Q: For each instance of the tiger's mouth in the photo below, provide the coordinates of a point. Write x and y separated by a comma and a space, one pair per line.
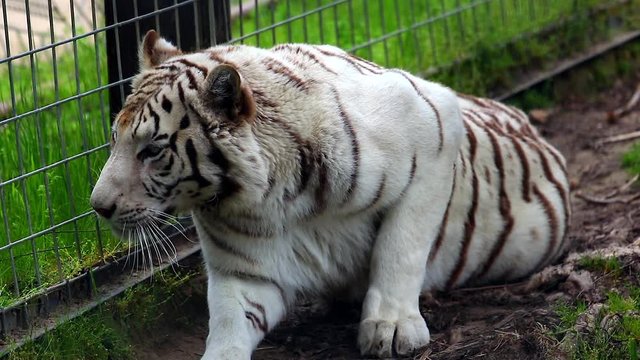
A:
147, 219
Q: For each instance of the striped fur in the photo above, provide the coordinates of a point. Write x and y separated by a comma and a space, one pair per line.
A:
310, 171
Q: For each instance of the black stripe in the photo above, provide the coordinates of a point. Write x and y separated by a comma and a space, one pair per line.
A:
190, 64
156, 120
181, 93
504, 206
470, 223
299, 50
224, 246
184, 122
192, 155
552, 220
193, 83
167, 105
279, 68
443, 224
412, 173
253, 277
355, 148
172, 142
378, 193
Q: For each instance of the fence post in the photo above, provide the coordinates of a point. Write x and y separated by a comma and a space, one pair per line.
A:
187, 24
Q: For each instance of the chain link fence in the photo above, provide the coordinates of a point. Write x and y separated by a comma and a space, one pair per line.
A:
66, 66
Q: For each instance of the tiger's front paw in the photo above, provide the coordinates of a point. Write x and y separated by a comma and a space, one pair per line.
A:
376, 336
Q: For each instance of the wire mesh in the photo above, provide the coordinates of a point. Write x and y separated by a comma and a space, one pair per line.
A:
67, 65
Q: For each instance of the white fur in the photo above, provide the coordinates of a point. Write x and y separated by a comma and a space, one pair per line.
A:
338, 248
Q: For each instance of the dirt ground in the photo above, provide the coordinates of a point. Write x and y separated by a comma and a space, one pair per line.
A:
501, 322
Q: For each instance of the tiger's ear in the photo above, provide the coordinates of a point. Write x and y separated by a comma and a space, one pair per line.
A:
155, 50
225, 92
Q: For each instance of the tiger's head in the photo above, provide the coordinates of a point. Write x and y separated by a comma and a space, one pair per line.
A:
182, 140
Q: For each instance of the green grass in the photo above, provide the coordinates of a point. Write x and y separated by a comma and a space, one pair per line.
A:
42, 139
607, 265
433, 44
631, 159
116, 328
618, 340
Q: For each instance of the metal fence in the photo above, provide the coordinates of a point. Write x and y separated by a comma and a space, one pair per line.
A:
65, 67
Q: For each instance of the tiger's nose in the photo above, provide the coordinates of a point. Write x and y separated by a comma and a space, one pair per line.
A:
104, 212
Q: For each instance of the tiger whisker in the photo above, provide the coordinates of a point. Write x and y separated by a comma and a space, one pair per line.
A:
180, 229
164, 240
153, 240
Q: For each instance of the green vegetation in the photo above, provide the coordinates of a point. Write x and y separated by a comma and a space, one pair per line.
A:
62, 192
608, 265
112, 330
631, 159
613, 333
470, 42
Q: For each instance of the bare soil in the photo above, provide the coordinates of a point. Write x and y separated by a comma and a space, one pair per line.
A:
513, 321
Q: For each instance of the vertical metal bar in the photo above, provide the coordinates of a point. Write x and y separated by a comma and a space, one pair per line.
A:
532, 10
16, 285
27, 206
118, 55
383, 26
105, 125
196, 23
352, 23
83, 125
39, 136
241, 21
103, 116
61, 135
460, 22
272, 8
212, 23
321, 27
225, 8
474, 19
176, 11
447, 35
289, 33
416, 43
135, 14
304, 21
157, 16
399, 26
258, 32
7, 231
367, 28
335, 24
432, 40
488, 14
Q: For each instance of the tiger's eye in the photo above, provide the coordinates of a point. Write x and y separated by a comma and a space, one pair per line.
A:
150, 151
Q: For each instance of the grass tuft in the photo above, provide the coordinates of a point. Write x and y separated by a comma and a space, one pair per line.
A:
112, 330
613, 333
608, 265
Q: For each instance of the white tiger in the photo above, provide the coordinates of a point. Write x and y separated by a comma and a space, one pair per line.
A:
310, 171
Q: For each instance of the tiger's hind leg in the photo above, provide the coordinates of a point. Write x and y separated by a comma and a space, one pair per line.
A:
242, 310
391, 319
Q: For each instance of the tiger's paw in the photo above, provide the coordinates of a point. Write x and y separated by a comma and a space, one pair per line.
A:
380, 337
